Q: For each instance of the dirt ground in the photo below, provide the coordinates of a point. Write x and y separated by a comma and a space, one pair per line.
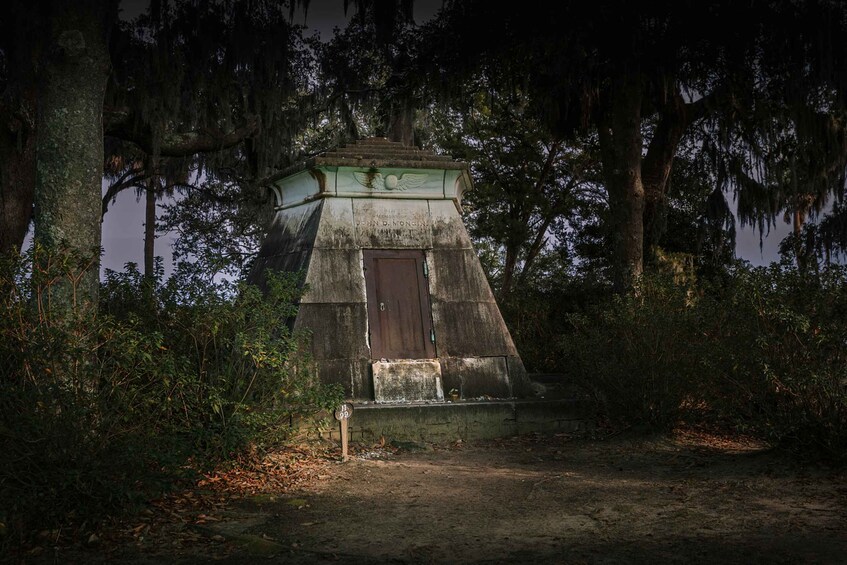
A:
689, 498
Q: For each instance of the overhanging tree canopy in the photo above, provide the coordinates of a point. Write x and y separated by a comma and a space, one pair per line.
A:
641, 75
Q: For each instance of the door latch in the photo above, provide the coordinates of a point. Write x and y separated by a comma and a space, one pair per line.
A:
382, 306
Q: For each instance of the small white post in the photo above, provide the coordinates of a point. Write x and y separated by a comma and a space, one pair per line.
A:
342, 414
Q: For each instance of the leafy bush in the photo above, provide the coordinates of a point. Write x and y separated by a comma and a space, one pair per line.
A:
102, 407
540, 312
764, 353
782, 368
634, 354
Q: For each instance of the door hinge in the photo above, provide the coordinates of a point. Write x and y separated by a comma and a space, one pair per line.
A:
432, 335
425, 269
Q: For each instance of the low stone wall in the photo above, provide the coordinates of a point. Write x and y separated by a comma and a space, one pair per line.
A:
450, 421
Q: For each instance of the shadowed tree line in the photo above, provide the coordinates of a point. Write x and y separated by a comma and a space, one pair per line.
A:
229, 89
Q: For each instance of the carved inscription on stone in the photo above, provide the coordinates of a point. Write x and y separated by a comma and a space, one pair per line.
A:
393, 225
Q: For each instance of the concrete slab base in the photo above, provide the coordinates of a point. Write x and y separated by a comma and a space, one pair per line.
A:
407, 381
465, 420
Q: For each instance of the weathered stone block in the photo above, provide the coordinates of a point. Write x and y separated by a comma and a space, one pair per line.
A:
470, 329
448, 231
450, 378
338, 331
295, 262
392, 224
435, 422
407, 381
336, 230
299, 187
518, 377
479, 377
391, 181
335, 275
292, 230
455, 275
552, 416
352, 374
458, 420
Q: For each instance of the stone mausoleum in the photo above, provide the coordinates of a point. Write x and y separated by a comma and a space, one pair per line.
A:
397, 302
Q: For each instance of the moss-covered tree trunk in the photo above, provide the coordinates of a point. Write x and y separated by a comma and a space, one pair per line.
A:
69, 158
621, 146
17, 124
17, 171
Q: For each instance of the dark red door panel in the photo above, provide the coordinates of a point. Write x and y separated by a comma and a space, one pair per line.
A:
399, 317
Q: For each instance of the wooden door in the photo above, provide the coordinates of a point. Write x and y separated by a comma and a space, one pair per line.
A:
399, 317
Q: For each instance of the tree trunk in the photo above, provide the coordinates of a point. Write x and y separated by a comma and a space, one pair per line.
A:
620, 146
69, 158
17, 125
535, 248
541, 235
401, 122
17, 174
798, 220
150, 226
656, 170
150, 194
508, 271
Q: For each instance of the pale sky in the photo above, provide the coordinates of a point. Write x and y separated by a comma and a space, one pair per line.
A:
324, 15
747, 243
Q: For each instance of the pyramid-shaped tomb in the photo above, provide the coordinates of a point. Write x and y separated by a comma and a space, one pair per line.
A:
397, 302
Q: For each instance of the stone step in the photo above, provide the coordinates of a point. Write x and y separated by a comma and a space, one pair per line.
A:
379, 161
384, 154
392, 153
375, 141
466, 420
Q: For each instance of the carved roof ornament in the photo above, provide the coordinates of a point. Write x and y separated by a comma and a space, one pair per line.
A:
390, 182
372, 168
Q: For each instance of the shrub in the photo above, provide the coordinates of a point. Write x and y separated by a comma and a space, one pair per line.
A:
781, 371
764, 353
633, 354
537, 314
103, 407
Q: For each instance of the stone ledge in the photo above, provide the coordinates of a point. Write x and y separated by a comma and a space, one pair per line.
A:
465, 420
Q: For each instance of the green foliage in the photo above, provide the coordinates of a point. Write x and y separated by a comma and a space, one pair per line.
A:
763, 354
100, 409
536, 326
527, 181
790, 384
627, 352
